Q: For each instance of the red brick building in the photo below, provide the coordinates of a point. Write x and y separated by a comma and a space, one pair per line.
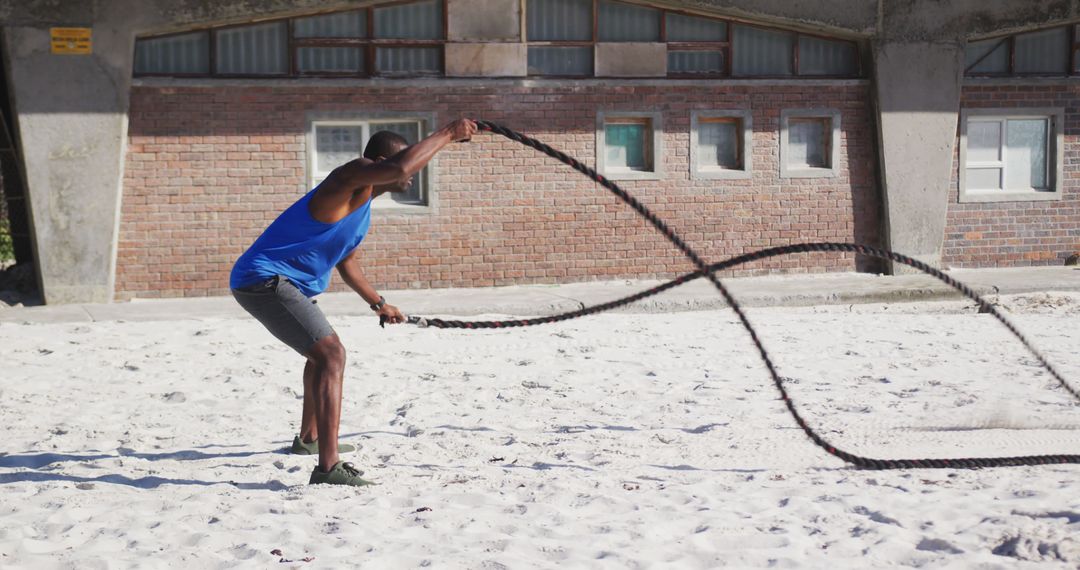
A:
743, 128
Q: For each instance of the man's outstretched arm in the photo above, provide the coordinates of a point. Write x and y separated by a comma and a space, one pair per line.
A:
332, 201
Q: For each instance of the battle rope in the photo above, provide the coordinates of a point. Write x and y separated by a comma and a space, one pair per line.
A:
708, 271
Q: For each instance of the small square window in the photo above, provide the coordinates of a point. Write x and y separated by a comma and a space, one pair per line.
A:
628, 145
720, 143
337, 139
809, 141
1010, 155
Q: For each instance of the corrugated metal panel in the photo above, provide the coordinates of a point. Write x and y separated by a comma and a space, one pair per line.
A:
996, 62
696, 62
690, 29
628, 23
407, 60
417, 21
187, 53
826, 57
555, 20
1043, 52
253, 50
544, 60
340, 25
761, 52
335, 59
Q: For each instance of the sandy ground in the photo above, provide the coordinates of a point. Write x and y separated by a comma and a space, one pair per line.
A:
615, 441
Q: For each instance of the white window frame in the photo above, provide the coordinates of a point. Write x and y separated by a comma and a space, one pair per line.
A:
656, 142
384, 203
1055, 154
709, 172
833, 152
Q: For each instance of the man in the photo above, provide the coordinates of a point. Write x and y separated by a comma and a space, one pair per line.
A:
291, 261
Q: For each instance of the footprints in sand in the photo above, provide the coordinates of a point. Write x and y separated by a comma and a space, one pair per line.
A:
175, 397
1041, 543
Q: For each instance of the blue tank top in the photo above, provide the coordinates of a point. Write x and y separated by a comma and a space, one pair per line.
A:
301, 248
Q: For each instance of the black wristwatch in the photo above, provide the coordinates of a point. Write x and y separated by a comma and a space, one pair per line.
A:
379, 305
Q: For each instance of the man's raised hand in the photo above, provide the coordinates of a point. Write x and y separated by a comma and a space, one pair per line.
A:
462, 130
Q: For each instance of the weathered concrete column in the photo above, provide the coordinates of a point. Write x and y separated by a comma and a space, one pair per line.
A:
71, 112
918, 102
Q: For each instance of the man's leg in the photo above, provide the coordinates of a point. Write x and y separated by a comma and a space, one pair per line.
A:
328, 357
309, 429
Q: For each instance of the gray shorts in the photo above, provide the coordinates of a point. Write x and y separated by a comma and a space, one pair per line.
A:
286, 312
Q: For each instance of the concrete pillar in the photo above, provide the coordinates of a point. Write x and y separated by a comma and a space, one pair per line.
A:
71, 112
918, 100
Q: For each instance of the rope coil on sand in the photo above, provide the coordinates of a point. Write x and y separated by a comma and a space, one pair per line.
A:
708, 271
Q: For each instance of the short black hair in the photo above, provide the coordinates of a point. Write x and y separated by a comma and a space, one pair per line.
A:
384, 144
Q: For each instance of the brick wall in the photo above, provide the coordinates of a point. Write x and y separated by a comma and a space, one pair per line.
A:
209, 166
1006, 234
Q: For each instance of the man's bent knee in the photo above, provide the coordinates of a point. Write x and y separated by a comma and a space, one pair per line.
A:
328, 351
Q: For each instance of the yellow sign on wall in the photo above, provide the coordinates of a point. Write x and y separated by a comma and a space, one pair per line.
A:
71, 41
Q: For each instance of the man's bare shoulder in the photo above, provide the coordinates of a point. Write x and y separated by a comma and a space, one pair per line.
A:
342, 177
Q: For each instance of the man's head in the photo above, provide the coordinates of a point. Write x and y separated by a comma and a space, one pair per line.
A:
381, 146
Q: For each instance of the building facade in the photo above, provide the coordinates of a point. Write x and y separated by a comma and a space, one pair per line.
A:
152, 161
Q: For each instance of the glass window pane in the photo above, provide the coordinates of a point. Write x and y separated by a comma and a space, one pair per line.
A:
718, 144
417, 21
332, 59
411, 131
335, 145
996, 62
807, 143
628, 23
1043, 52
710, 62
624, 144
554, 20
826, 57
984, 141
690, 29
340, 25
406, 60
1025, 166
252, 50
575, 61
761, 52
187, 53
983, 179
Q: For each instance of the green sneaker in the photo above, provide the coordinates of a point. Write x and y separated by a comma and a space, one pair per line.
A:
341, 474
299, 447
